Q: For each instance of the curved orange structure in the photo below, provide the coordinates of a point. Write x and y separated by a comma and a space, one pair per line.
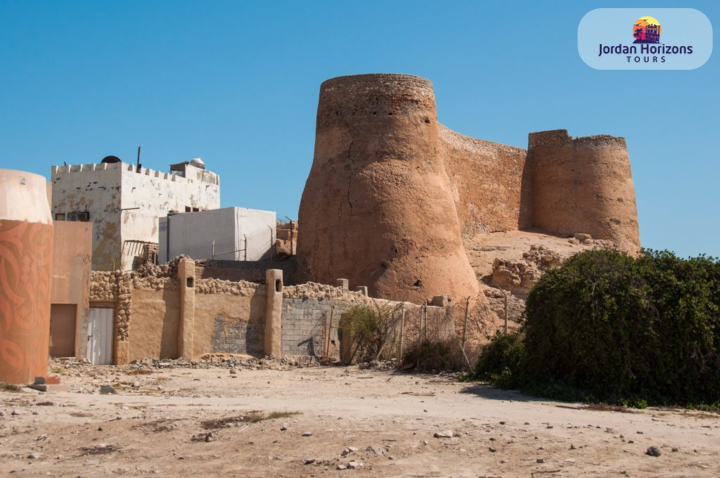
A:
378, 206
26, 244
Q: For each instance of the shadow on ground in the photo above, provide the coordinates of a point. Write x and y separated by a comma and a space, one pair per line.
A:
492, 393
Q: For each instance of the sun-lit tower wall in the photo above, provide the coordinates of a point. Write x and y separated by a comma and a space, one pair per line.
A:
583, 185
377, 207
26, 246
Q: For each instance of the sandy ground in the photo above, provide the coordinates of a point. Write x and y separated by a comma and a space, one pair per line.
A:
388, 418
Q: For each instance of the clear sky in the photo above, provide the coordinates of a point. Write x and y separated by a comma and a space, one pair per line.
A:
237, 84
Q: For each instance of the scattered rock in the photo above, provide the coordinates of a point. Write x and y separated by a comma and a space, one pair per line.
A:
307, 434
653, 451
354, 465
444, 434
107, 389
540, 460
309, 461
348, 450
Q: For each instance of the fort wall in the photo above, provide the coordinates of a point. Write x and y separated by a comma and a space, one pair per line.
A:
490, 183
392, 193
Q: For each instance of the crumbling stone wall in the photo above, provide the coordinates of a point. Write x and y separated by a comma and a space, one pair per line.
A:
115, 287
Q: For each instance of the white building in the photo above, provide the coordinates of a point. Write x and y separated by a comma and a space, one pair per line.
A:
231, 233
125, 202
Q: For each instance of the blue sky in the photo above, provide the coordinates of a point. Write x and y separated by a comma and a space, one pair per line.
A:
237, 84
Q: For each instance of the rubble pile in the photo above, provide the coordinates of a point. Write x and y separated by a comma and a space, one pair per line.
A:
314, 290
169, 269
219, 286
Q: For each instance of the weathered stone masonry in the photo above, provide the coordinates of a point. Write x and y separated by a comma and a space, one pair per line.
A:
391, 192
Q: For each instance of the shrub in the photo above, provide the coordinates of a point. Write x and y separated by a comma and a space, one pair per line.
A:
434, 355
501, 359
607, 326
369, 328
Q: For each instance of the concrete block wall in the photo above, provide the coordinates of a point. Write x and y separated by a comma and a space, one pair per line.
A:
304, 324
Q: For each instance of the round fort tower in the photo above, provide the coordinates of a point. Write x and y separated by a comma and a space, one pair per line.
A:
583, 185
377, 208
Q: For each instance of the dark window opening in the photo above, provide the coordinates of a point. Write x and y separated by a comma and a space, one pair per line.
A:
190, 282
278, 285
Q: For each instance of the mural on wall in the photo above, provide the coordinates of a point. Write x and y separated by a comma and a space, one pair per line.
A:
25, 274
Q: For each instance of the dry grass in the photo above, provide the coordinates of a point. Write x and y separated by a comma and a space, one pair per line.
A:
6, 387
251, 417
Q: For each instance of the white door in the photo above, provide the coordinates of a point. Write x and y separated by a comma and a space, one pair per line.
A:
100, 334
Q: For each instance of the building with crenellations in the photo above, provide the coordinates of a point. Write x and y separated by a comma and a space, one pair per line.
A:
125, 201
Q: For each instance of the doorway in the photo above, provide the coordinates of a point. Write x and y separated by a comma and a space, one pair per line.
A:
100, 335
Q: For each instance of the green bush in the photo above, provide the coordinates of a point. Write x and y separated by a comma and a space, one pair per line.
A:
501, 360
606, 326
431, 355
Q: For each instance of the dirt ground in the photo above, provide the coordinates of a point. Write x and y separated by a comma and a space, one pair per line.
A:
182, 422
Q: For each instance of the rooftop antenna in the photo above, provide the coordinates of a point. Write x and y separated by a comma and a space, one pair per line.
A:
139, 166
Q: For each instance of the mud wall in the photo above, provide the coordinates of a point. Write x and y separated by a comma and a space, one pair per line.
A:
583, 185
378, 207
154, 325
230, 317
229, 321
489, 183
